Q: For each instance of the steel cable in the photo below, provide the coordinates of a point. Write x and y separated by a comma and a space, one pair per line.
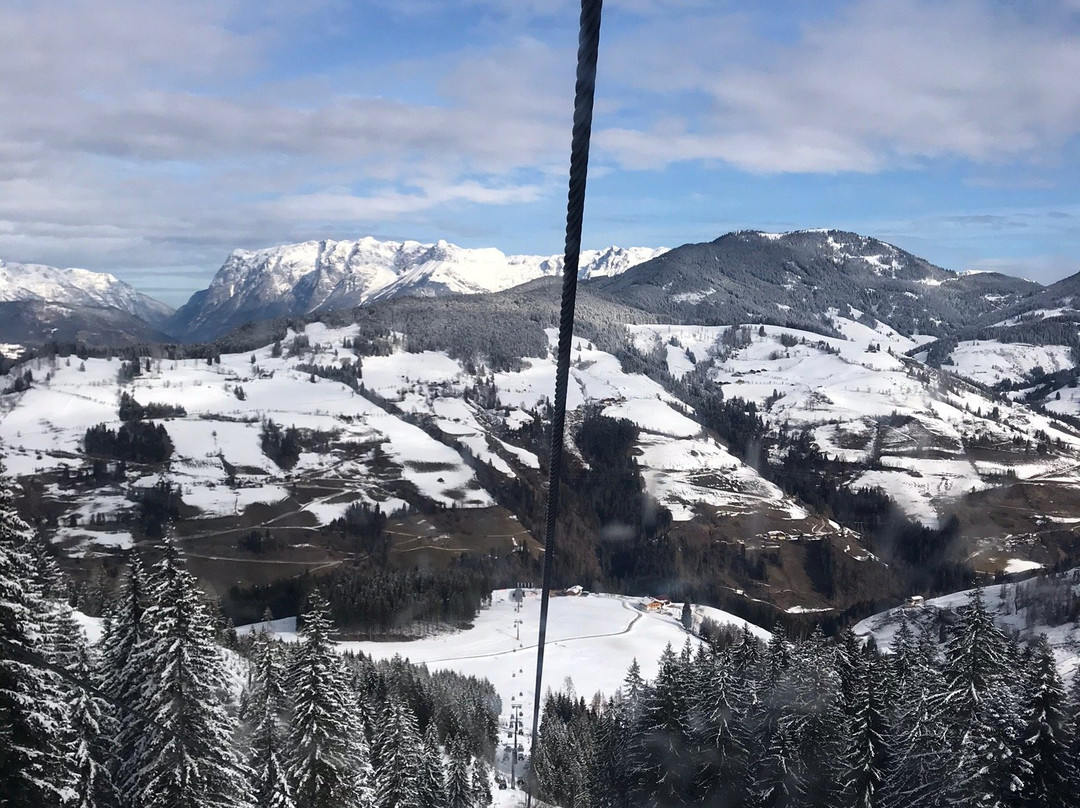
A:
588, 47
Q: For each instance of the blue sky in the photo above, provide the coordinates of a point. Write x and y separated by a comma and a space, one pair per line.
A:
148, 138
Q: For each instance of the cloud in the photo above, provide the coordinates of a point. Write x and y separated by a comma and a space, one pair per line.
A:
155, 134
339, 205
884, 84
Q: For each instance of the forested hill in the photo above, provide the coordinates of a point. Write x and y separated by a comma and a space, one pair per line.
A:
169, 709
796, 278
983, 722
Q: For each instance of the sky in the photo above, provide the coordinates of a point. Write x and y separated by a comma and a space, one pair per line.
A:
149, 138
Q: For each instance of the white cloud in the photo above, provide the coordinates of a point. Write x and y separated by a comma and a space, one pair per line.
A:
884, 84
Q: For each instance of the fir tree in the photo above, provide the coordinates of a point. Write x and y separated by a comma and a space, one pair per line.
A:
1045, 738
118, 674
34, 720
431, 789
459, 792
397, 774
321, 748
91, 749
265, 710
718, 733
481, 782
184, 757
867, 756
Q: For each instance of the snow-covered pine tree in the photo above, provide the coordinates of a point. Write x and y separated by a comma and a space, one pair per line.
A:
986, 725
397, 773
432, 783
184, 757
118, 675
322, 733
867, 755
1045, 737
921, 758
265, 709
34, 719
663, 772
812, 718
481, 782
1072, 738
718, 733
91, 748
459, 792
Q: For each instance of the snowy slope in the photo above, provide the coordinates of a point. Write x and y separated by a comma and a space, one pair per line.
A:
990, 362
910, 426
371, 454
1002, 601
591, 643
76, 288
325, 275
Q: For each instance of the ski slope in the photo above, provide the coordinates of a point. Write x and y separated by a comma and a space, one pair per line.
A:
591, 643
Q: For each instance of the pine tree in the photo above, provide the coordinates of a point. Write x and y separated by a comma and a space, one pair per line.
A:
481, 782
1045, 739
1072, 740
867, 756
322, 744
184, 757
459, 792
118, 674
91, 750
432, 781
397, 774
718, 733
265, 709
663, 769
986, 726
921, 758
34, 720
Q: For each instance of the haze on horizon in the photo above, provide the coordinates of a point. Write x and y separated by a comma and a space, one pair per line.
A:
149, 138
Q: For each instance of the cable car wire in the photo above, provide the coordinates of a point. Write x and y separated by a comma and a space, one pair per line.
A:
588, 47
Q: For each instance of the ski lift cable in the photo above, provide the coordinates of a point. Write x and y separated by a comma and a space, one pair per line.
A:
588, 46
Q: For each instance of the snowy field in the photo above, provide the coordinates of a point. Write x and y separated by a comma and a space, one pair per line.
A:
1000, 601
868, 403
591, 643
863, 399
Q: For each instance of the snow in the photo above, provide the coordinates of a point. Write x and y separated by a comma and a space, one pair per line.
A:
990, 362
93, 627
1018, 565
591, 642
1064, 639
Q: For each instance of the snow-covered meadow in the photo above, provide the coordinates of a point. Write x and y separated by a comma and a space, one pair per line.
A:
591, 643
866, 402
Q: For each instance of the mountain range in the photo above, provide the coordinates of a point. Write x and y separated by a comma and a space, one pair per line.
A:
41, 303
825, 419
314, 276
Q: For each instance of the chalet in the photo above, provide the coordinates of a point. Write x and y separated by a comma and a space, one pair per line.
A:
915, 602
654, 604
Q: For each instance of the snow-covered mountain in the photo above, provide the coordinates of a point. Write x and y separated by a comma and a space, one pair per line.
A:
796, 278
41, 303
76, 288
324, 275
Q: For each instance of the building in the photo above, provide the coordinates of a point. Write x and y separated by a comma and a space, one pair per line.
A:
653, 604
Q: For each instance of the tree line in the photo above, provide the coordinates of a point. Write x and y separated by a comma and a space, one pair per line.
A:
979, 720
150, 717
